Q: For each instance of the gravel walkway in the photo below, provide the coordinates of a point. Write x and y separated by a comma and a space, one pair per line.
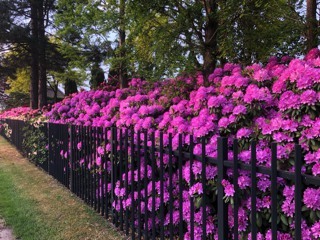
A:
5, 233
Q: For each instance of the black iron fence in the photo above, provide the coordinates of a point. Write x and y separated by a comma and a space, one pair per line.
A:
142, 186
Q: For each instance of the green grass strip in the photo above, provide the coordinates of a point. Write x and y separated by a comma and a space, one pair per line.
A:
21, 212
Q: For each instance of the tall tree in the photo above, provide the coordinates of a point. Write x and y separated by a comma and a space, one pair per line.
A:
42, 89
311, 24
25, 23
123, 78
34, 85
210, 36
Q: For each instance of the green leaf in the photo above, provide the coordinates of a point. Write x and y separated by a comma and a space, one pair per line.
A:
259, 220
284, 219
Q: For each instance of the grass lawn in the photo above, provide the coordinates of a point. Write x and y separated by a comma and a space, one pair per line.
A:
35, 206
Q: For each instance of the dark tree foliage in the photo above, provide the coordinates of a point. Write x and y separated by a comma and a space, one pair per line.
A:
23, 24
70, 87
97, 76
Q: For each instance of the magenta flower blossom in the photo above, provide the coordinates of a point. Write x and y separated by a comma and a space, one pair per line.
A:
240, 109
244, 133
311, 198
228, 188
196, 189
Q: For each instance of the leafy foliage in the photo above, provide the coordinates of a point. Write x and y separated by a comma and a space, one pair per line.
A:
35, 143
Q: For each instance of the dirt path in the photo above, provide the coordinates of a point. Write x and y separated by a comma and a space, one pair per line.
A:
5, 233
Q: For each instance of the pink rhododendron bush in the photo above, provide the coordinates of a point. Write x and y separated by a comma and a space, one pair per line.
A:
16, 113
278, 102
23, 113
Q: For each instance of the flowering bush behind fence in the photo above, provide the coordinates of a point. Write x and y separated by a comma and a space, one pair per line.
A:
278, 102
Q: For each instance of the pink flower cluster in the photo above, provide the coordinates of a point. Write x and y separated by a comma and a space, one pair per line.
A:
16, 113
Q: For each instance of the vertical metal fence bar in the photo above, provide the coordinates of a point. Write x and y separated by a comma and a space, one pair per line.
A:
161, 188
89, 166
170, 188
236, 190
61, 156
95, 170
191, 184
81, 171
106, 176
253, 191
132, 185
274, 191
75, 157
66, 144
86, 168
204, 182
298, 191
121, 173
180, 188
139, 184
55, 150
145, 150
115, 174
56, 154
222, 207
67, 166
153, 166
72, 157
49, 148
81, 165
113, 217
126, 157
103, 172
93, 164
99, 181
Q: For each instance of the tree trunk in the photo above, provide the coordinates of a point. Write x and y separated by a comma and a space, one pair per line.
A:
42, 58
210, 39
123, 78
311, 24
34, 56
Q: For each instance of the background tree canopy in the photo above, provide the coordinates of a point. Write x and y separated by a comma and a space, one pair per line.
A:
66, 39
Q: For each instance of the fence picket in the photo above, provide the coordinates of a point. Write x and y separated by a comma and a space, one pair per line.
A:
204, 189
274, 190
253, 191
236, 191
222, 208
298, 190
132, 185
191, 184
146, 218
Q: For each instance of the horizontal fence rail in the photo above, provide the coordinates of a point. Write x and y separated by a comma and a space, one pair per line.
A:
144, 188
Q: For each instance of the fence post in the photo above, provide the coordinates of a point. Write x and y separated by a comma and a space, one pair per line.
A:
253, 190
71, 129
222, 206
298, 190
49, 148
274, 191
113, 169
